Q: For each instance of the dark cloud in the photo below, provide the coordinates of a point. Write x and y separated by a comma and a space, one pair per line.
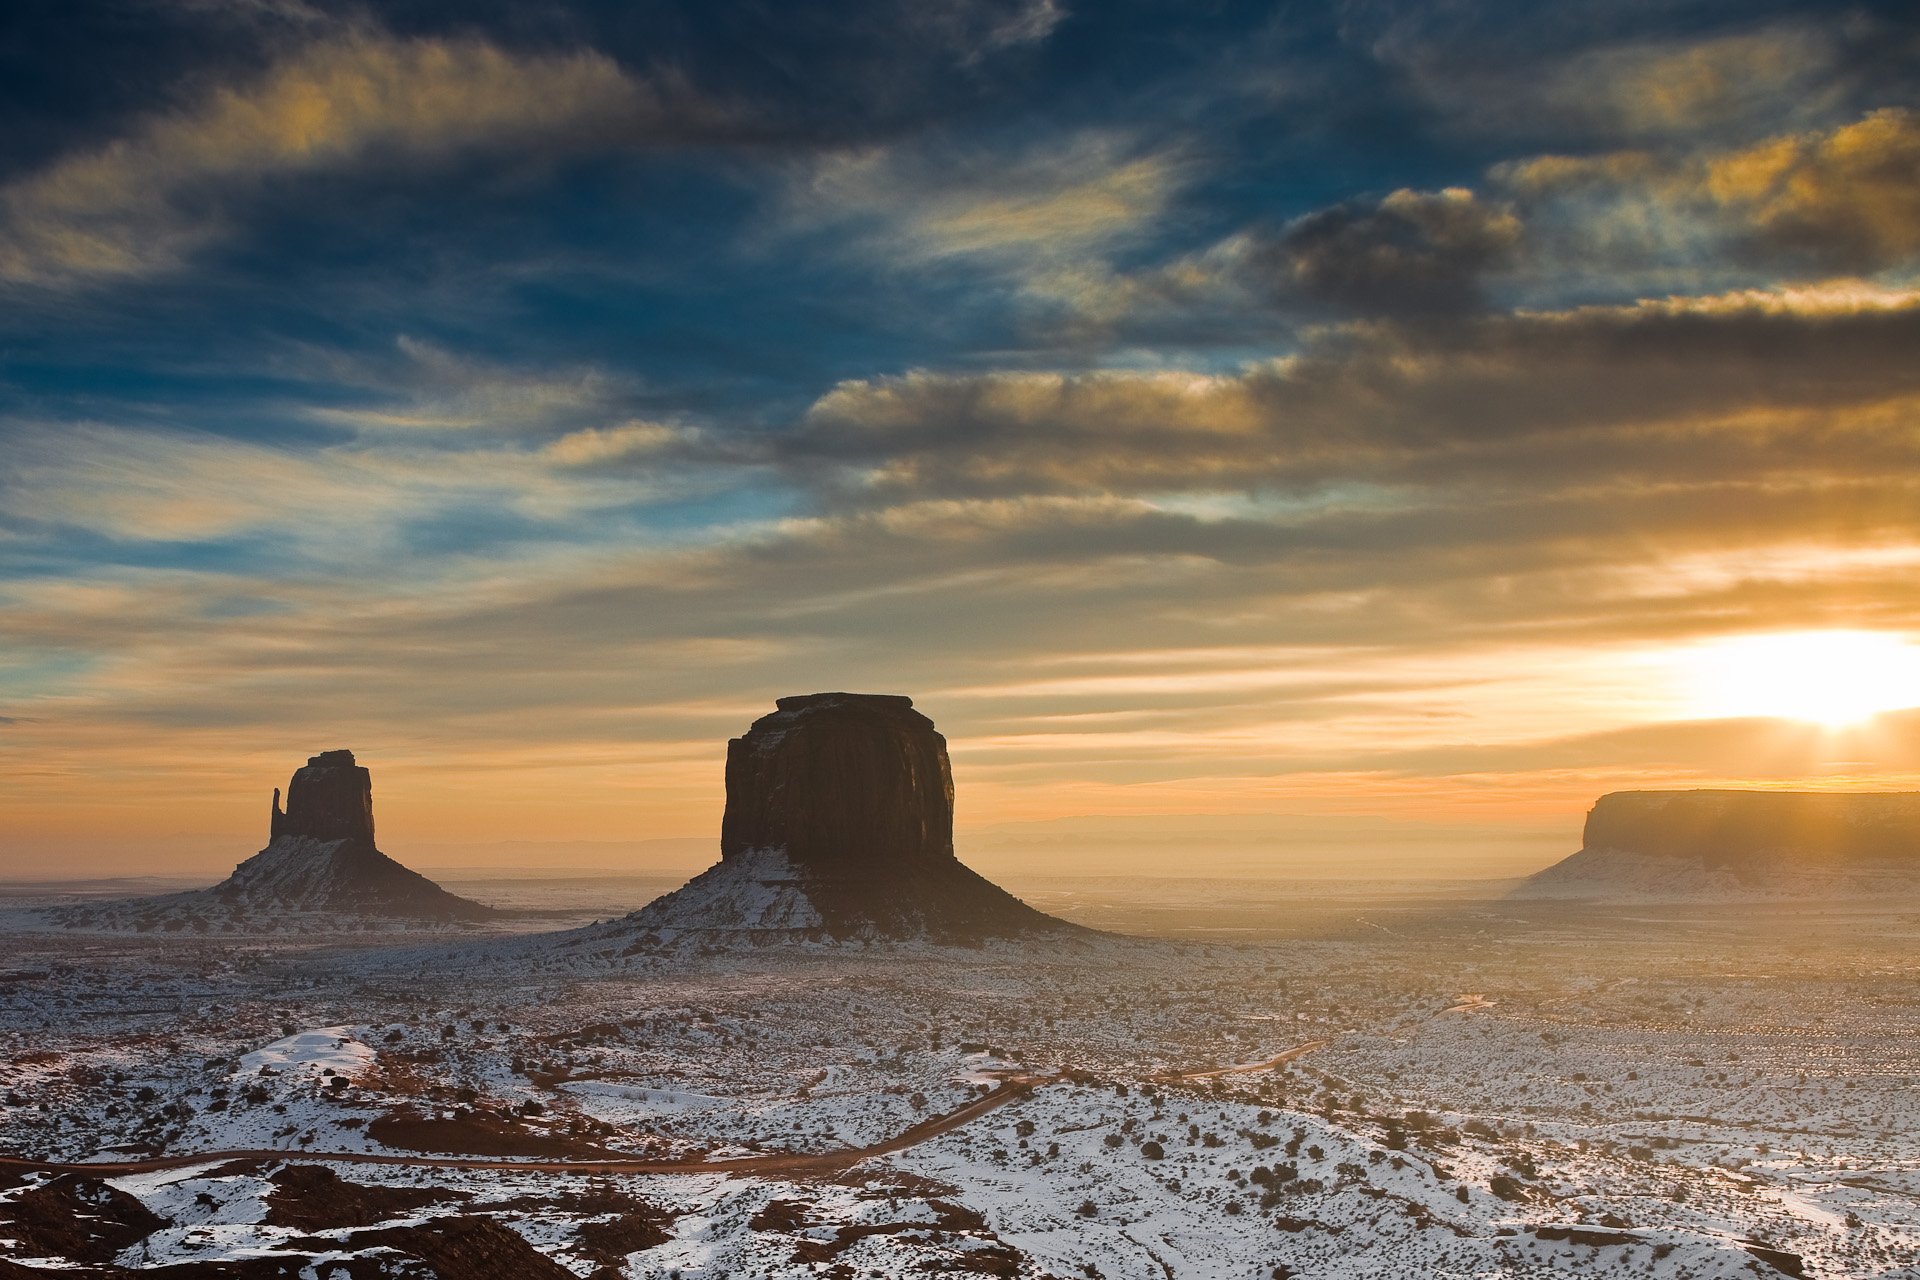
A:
1412, 252
1741, 386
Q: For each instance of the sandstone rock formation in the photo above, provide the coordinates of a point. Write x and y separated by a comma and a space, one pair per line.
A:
320, 869
839, 824
331, 798
841, 782
1652, 844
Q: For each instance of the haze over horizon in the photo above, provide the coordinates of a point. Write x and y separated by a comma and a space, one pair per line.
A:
1392, 413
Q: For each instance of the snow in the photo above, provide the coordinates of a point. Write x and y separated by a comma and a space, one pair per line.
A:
1497, 1095
325, 1049
755, 890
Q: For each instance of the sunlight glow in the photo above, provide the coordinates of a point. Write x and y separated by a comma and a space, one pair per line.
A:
1833, 678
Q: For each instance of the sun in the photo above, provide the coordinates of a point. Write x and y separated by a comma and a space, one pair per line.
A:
1832, 678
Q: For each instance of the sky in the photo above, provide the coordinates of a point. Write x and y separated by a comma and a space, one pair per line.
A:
1413, 413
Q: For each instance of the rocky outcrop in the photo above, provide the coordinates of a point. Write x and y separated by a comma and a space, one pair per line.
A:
841, 782
329, 798
320, 870
1651, 844
839, 825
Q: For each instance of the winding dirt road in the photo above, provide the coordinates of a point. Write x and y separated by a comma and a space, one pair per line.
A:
827, 1162
785, 1162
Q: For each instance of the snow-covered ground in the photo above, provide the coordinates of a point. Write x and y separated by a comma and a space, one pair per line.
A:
1497, 1095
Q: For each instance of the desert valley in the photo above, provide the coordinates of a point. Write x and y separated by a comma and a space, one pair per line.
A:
968, 639
840, 1053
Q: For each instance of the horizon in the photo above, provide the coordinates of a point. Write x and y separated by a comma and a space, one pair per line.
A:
1259, 846
1435, 415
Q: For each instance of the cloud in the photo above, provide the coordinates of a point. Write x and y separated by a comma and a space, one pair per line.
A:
1835, 200
352, 503
430, 388
138, 485
1406, 255
979, 31
1364, 640
1687, 86
1748, 383
598, 445
1577, 80
930, 204
1848, 199
1411, 252
1373, 642
1549, 229
148, 199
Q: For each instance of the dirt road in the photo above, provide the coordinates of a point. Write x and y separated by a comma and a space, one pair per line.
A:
826, 1162
785, 1162
1277, 1060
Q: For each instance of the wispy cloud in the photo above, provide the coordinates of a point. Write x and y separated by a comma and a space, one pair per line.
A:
430, 388
1720, 84
1061, 199
146, 200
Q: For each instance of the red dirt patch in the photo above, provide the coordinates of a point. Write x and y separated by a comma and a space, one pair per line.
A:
76, 1218
481, 1133
465, 1248
312, 1197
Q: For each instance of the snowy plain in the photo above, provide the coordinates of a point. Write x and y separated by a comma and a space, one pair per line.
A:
1524, 1090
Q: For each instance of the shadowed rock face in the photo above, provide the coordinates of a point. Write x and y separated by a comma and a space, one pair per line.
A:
330, 798
839, 824
841, 782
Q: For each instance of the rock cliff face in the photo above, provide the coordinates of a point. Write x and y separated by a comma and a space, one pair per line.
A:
1741, 843
320, 870
841, 782
839, 824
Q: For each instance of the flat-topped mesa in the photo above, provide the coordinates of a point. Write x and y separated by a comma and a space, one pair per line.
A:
1735, 828
329, 798
1725, 845
843, 783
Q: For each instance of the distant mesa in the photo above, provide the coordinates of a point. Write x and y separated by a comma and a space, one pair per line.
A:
320, 868
1648, 845
839, 826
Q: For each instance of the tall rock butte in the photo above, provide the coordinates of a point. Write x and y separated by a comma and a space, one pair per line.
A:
839, 825
320, 856
844, 783
320, 870
1651, 844
330, 798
